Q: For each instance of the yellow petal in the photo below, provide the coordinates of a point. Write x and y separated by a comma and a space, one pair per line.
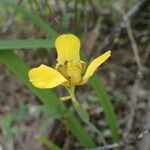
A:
45, 77
94, 65
68, 48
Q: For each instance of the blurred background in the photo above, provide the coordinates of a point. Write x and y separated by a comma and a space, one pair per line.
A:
119, 25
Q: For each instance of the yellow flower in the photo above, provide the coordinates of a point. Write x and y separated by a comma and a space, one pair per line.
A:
69, 70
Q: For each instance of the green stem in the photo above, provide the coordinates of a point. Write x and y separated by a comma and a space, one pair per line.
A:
64, 98
71, 91
83, 113
98, 132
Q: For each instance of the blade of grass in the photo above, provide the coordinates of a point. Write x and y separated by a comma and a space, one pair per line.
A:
15, 64
26, 43
51, 145
107, 106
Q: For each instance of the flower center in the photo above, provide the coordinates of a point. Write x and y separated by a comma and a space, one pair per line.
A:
72, 71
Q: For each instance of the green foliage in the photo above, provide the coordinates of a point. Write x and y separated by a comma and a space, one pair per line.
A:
7, 122
118, 96
44, 140
26, 43
107, 106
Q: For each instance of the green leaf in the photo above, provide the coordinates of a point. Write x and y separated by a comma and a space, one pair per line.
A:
82, 113
107, 106
26, 43
47, 97
51, 145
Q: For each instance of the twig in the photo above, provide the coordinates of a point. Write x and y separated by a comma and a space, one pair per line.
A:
145, 144
7, 145
131, 37
147, 54
49, 7
38, 8
107, 147
111, 38
31, 6
133, 106
10, 20
122, 143
92, 37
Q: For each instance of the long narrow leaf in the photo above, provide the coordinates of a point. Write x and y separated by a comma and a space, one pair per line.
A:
26, 43
107, 106
51, 145
47, 97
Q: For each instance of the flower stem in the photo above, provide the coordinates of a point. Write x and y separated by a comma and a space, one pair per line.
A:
64, 98
83, 113
71, 91
98, 132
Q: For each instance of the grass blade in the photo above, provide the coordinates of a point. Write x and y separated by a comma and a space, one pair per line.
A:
47, 97
26, 43
105, 102
44, 140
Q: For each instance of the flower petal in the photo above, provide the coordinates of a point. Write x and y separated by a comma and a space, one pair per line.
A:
45, 77
68, 48
94, 65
